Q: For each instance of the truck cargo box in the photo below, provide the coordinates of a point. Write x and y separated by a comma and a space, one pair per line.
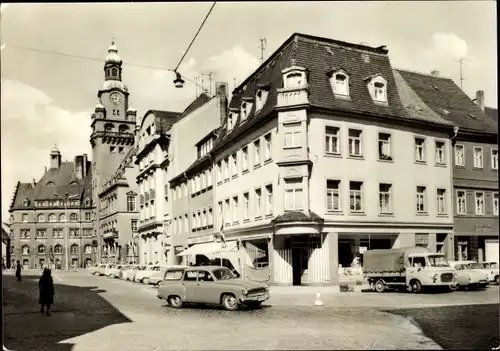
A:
388, 260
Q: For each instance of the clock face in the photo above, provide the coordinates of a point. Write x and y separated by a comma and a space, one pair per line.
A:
115, 98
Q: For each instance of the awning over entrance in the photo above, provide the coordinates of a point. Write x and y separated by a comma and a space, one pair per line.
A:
209, 248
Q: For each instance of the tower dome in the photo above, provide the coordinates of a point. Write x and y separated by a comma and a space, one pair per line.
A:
113, 57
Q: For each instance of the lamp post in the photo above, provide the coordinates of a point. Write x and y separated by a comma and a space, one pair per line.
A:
65, 199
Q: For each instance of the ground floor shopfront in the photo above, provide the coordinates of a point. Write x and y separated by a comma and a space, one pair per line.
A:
476, 238
313, 255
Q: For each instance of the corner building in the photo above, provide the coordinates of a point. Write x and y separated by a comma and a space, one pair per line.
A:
319, 160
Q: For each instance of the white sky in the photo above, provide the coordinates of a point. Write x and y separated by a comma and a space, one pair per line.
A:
48, 99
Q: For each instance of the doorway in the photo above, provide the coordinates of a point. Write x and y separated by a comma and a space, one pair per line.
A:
299, 264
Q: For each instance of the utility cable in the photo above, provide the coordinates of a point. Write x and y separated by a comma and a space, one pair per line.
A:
192, 41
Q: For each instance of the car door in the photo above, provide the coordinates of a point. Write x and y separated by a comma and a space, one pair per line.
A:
206, 288
190, 284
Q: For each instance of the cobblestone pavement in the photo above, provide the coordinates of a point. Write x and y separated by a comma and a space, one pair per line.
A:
125, 315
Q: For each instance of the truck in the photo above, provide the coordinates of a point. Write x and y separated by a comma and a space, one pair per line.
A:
407, 269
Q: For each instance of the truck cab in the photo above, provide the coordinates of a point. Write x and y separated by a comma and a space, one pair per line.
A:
424, 270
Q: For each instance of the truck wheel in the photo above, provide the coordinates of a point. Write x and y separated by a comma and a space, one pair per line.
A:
416, 287
497, 279
145, 281
229, 302
379, 286
175, 301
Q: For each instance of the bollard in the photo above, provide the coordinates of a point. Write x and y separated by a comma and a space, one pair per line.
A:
318, 301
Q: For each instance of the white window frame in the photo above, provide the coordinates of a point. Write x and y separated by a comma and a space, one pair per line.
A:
235, 209
494, 159
421, 198
220, 212
25, 217
381, 194
244, 158
495, 203
331, 140
295, 189
459, 198
340, 89
258, 202
422, 147
332, 192
219, 172
260, 101
380, 91
353, 194
131, 200
234, 164
457, 147
294, 79
246, 205
257, 155
441, 199
479, 213
227, 211
443, 150
225, 165
352, 142
295, 131
268, 147
229, 122
269, 199
481, 157
382, 142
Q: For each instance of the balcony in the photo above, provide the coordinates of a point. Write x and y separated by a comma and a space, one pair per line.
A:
152, 194
293, 96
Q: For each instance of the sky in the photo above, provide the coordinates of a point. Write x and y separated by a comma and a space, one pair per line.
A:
48, 99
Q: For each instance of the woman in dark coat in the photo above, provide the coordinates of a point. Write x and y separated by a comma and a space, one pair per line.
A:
46, 286
18, 271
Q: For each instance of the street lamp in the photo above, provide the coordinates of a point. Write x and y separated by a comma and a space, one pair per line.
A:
65, 199
178, 82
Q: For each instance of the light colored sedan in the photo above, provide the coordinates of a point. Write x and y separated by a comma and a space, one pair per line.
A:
159, 275
491, 269
469, 275
129, 274
93, 269
116, 270
143, 275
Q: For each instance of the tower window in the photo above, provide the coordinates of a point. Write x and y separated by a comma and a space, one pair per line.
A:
120, 150
112, 149
114, 72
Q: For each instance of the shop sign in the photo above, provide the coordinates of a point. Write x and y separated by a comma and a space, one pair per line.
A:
482, 227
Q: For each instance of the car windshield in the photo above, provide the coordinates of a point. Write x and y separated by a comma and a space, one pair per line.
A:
474, 265
223, 274
438, 261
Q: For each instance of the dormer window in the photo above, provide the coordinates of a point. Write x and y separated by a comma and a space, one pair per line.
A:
260, 99
378, 89
294, 80
246, 107
26, 202
230, 122
339, 80
294, 77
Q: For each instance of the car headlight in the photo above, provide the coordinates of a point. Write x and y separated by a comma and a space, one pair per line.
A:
470, 278
455, 275
244, 291
435, 276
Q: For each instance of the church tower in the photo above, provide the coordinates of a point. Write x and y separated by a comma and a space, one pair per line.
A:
113, 128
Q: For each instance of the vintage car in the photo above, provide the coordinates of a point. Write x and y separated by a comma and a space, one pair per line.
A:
101, 269
491, 268
93, 269
159, 275
129, 273
210, 285
143, 275
116, 270
469, 275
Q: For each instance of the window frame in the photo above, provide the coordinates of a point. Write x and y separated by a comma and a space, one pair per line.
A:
423, 197
372, 89
293, 187
244, 158
335, 86
257, 153
493, 158
423, 147
380, 194
295, 130
483, 204
355, 192
332, 192
131, 204
380, 144
329, 137
352, 140
436, 160
258, 208
462, 164
443, 198
494, 209
268, 147
474, 148
458, 202
269, 199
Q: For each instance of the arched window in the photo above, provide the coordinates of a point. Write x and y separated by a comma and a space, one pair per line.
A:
62, 217
73, 217
88, 249
41, 218
114, 72
294, 80
52, 217
108, 127
26, 202
123, 128
58, 249
74, 249
41, 249
26, 250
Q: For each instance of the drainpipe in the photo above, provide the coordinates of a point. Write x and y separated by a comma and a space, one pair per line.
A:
455, 133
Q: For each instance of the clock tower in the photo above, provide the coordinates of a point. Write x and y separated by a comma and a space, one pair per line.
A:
113, 126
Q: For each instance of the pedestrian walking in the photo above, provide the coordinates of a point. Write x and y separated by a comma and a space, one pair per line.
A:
18, 271
46, 287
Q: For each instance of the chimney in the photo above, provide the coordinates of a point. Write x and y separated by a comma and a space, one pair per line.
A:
85, 164
480, 99
78, 167
221, 93
435, 73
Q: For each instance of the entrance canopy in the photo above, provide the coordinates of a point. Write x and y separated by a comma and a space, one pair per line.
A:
209, 248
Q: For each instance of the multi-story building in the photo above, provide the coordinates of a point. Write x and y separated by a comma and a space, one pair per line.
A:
151, 158
119, 213
51, 220
7, 262
475, 163
193, 137
320, 160
112, 139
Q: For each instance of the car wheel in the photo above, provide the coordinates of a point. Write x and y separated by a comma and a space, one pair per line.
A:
175, 301
145, 281
416, 287
454, 287
497, 280
229, 302
379, 286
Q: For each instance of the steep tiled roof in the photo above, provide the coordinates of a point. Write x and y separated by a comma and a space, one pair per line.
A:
492, 112
196, 104
164, 119
446, 99
320, 56
60, 180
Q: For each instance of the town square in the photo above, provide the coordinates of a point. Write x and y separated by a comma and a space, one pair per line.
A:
255, 175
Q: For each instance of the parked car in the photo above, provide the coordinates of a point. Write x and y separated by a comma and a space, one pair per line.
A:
116, 270
491, 269
469, 275
143, 275
93, 269
101, 269
159, 275
139, 268
129, 273
108, 268
210, 285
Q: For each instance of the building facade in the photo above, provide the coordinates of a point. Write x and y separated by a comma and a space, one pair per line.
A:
475, 164
113, 138
153, 163
191, 187
7, 262
51, 220
320, 160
